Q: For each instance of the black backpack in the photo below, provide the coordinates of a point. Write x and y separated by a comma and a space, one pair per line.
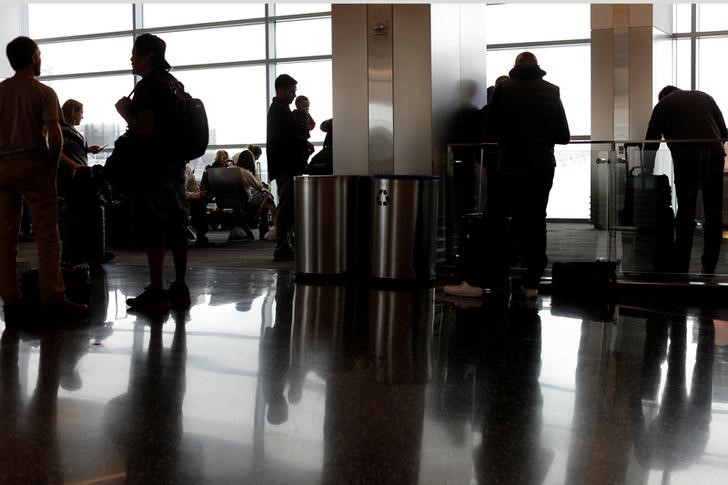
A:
193, 133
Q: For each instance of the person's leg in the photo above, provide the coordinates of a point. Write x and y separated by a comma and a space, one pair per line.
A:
712, 184
155, 261
38, 186
284, 219
10, 219
529, 224
687, 179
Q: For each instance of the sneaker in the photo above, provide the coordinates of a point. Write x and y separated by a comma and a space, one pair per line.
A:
204, 242
239, 234
150, 300
284, 254
178, 294
66, 309
464, 290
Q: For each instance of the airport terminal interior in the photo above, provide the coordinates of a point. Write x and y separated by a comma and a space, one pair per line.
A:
274, 375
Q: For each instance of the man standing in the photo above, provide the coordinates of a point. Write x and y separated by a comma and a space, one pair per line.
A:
287, 149
30, 147
526, 118
159, 205
692, 115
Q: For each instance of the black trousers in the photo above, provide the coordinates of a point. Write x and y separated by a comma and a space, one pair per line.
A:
524, 198
692, 175
284, 218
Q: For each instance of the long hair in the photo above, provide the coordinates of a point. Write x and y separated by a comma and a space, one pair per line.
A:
70, 107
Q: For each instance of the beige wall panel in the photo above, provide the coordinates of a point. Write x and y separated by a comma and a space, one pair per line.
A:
640, 80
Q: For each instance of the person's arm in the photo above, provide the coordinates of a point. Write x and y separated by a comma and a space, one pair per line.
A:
55, 141
250, 179
310, 123
654, 132
493, 117
562, 135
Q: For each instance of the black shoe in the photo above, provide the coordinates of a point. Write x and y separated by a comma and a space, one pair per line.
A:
203, 242
284, 254
179, 295
151, 300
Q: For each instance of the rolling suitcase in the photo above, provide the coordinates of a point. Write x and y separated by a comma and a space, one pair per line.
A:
648, 211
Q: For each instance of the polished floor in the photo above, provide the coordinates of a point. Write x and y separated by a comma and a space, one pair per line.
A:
266, 381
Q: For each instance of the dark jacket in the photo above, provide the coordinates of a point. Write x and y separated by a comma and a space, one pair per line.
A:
685, 115
286, 148
526, 118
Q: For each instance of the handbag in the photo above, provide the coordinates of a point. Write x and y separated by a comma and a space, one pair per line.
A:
119, 167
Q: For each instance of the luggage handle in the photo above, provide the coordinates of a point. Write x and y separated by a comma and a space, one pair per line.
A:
633, 144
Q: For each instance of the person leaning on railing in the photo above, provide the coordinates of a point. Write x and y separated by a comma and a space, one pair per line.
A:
691, 115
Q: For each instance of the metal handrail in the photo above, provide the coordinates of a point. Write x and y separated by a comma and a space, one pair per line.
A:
603, 142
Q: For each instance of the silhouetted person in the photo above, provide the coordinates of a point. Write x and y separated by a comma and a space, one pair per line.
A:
685, 115
29, 448
526, 118
275, 351
80, 186
146, 423
159, 205
287, 150
677, 436
30, 147
510, 402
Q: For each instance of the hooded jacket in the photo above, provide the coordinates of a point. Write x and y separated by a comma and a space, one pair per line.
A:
526, 118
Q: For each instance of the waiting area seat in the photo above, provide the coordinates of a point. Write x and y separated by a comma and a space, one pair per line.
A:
232, 198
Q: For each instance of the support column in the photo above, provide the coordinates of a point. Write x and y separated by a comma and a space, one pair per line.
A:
622, 87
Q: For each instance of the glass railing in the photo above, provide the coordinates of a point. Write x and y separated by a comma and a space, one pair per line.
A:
610, 200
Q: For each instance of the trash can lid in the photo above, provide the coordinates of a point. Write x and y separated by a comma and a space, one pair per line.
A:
406, 177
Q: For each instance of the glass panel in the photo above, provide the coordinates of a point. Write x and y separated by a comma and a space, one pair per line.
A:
58, 20
683, 56
86, 56
523, 23
234, 99
215, 45
159, 15
568, 67
711, 72
101, 123
662, 62
571, 192
314, 81
296, 8
303, 38
712, 16
683, 17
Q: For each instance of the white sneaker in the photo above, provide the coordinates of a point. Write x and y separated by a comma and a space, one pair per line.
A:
464, 290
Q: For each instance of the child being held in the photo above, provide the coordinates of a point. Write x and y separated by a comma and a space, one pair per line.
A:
303, 117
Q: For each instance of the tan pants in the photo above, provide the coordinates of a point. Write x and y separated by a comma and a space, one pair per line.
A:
35, 182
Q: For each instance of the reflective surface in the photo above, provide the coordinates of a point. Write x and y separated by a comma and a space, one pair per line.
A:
266, 381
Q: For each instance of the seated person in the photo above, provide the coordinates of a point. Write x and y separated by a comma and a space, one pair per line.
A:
197, 199
258, 191
323, 162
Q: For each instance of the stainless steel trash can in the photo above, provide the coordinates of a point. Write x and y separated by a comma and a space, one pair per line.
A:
404, 227
399, 336
325, 231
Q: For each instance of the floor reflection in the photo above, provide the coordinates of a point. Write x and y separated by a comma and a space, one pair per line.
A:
265, 380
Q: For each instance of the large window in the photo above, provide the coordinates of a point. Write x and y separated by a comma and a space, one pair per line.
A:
223, 53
